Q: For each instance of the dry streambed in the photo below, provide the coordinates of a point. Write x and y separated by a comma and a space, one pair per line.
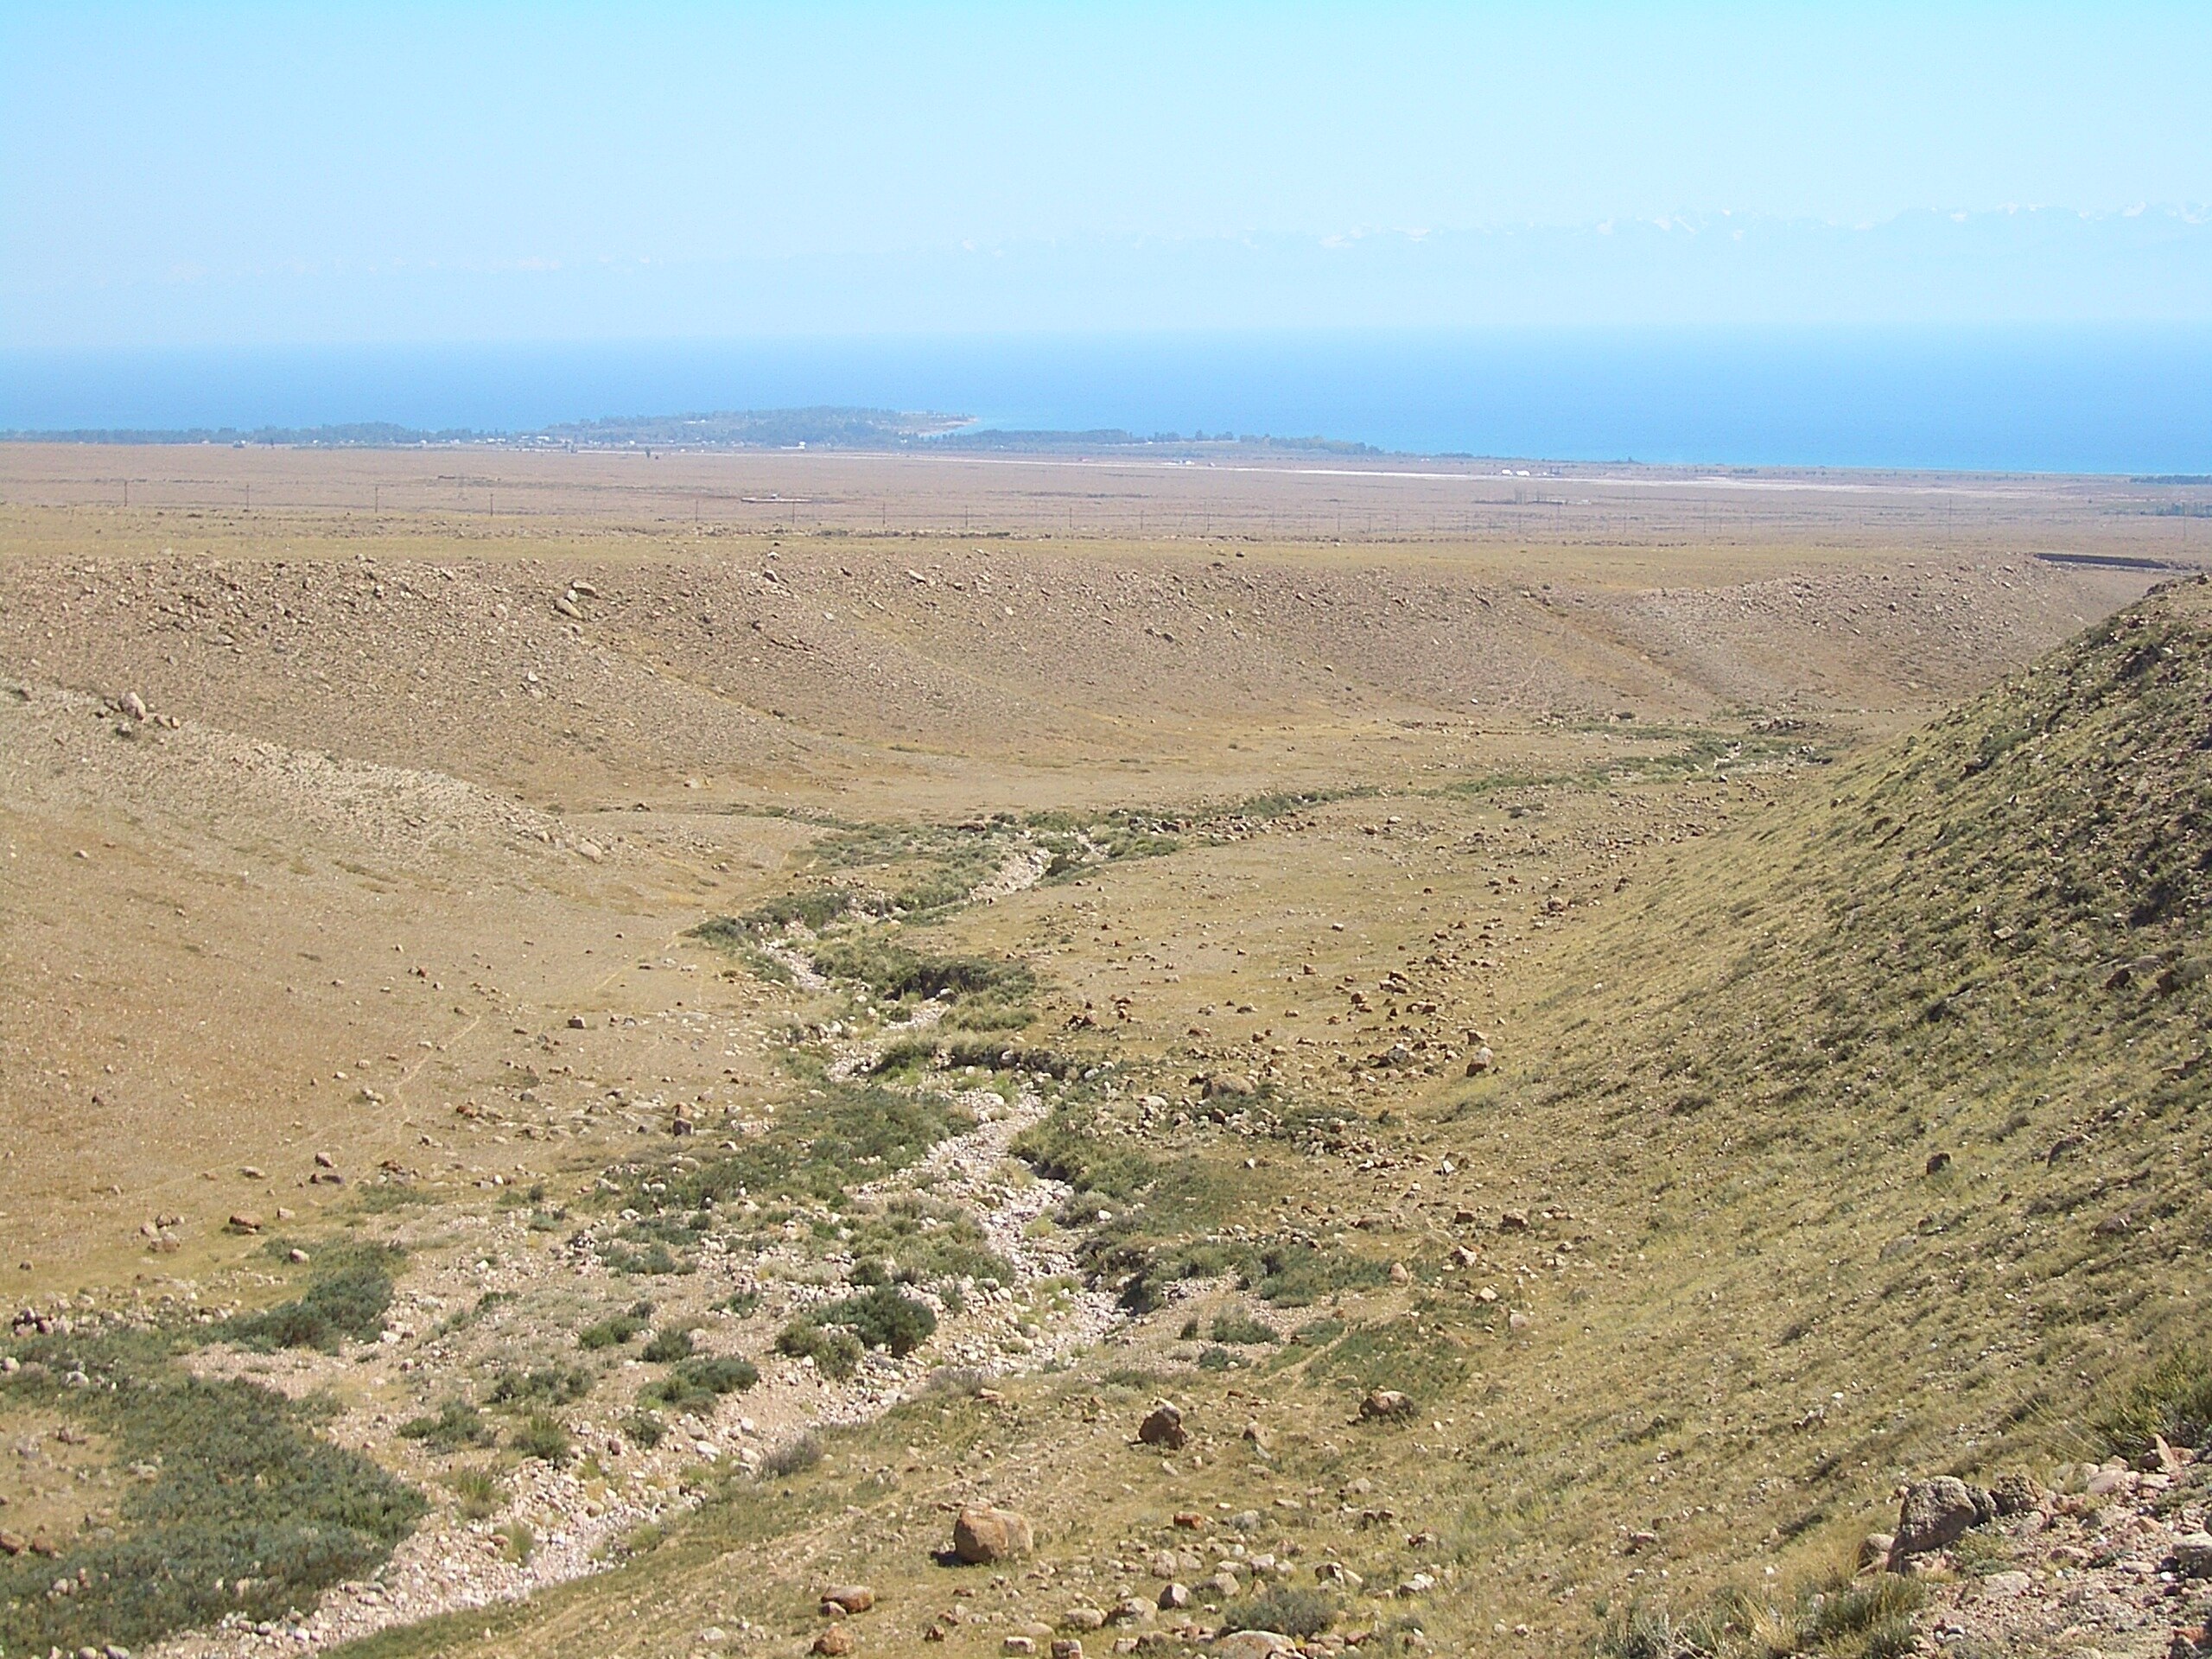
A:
576, 1517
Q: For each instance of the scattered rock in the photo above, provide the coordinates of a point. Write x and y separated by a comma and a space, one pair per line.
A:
1386, 1403
2193, 1555
1513, 1221
1066, 1647
246, 1221
1019, 1644
1874, 1551
983, 1536
1479, 1062
2016, 1494
1253, 1644
1231, 1085
846, 1599
1083, 1618
1173, 1595
835, 1641
1936, 1513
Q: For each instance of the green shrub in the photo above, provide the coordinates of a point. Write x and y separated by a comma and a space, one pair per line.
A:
814, 910
644, 1428
455, 1424
546, 1385
520, 1539
881, 1317
347, 1297
894, 973
1296, 1275
1284, 1610
835, 1350
656, 1259
694, 1385
616, 1329
1243, 1330
1216, 1359
2172, 1399
841, 1133
672, 1343
541, 1435
793, 1456
243, 1495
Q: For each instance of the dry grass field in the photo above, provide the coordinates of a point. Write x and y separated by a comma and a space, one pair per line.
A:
591, 1046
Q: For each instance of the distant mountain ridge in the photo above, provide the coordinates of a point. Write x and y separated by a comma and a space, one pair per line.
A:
822, 427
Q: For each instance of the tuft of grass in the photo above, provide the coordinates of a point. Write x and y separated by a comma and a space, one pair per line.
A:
2172, 1399
793, 1458
477, 1493
542, 1435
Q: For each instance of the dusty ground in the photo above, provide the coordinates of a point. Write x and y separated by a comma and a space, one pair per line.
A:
352, 853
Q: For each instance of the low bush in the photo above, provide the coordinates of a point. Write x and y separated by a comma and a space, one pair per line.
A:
793, 1458
616, 1329
893, 972
456, 1425
1243, 1330
695, 1384
835, 1350
545, 1385
247, 1513
346, 1298
1296, 1275
670, 1344
541, 1435
644, 1428
1283, 1609
881, 1317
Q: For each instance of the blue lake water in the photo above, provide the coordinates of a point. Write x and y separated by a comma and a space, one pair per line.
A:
2120, 399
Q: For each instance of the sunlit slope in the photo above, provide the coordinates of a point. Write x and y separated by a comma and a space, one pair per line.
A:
1906, 1084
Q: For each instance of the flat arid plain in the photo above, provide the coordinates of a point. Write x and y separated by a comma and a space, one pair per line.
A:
769, 1053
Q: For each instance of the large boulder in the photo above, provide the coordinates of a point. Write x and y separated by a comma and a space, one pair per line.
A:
983, 1536
1163, 1426
1936, 1513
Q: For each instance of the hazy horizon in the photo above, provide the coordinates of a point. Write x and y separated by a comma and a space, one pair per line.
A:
252, 175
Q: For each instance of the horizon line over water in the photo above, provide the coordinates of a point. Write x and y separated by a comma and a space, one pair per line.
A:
2054, 398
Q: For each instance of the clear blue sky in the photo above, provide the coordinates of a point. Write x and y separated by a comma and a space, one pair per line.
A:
209, 172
